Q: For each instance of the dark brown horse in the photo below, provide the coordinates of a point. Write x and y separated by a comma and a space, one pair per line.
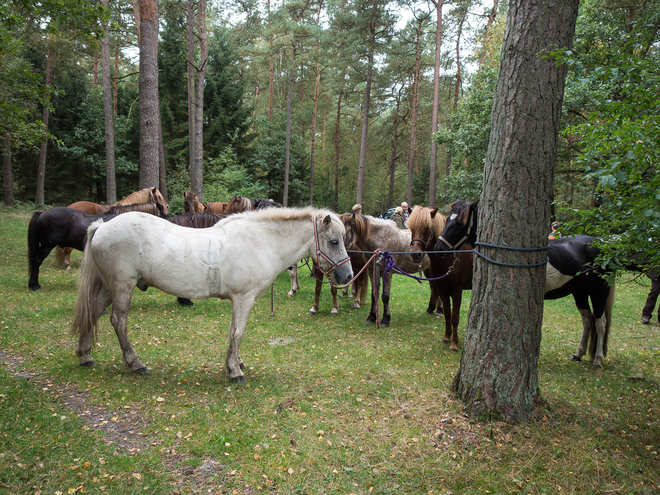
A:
65, 227
455, 269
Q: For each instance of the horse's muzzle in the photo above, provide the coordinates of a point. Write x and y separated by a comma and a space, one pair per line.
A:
342, 274
417, 256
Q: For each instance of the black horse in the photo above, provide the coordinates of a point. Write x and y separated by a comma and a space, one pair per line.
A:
570, 270
66, 227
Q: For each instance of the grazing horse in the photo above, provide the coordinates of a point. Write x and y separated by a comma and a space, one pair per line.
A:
368, 234
237, 259
215, 207
191, 203
571, 269
65, 227
239, 204
146, 195
453, 273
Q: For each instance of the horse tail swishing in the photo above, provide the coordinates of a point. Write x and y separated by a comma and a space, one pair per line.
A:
93, 298
33, 242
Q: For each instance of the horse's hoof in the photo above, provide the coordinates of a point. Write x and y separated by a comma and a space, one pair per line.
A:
238, 379
597, 367
312, 312
35, 288
141, 371
88, 364
356, 305
445, 342
385, 323
371, 319
184, 302
334, 311
453, 349
574, 358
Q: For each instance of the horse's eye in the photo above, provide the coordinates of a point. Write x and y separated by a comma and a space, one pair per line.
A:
334, 242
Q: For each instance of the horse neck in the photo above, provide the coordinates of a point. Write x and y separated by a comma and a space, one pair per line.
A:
386, 237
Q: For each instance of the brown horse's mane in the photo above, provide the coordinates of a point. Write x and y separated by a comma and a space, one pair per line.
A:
239, 204
421, 219
151, 208
146, 195
191, 203
461, 208
198, 220
358, 223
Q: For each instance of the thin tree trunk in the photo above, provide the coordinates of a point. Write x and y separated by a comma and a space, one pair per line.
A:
199, 98
6, 161
498, 373
487, 29
115, 83
271, 84
415, 105
162, 170
195, 180
395, 138
365, 121
335, 165
287, 146
436, 102
41, 174
110, 181
148, 87
314, 114
95, 69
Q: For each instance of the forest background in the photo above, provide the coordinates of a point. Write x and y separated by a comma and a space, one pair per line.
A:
330, 103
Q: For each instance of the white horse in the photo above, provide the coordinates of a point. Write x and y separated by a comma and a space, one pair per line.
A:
236, 259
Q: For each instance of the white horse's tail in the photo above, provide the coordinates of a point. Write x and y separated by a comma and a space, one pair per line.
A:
607, 314
93, 297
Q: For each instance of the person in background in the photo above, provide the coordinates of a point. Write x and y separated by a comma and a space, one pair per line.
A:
398, 218
652, 298
405, 212
555, 234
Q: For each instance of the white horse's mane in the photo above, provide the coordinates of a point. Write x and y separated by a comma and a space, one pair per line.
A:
274, 214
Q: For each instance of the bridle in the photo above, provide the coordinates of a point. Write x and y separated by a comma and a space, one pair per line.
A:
459, 243
320, 254
422, 242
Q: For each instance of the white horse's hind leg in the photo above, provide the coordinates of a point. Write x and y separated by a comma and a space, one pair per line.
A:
121, 305
295, 283
600, 330
240, 310
588, 321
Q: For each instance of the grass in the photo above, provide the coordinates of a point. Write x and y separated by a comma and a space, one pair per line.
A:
331, 404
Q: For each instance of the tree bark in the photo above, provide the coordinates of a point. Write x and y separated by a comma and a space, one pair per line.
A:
314, 115
395, 137
417, 72
498, 374
335, 164
198, 171
148, 87
6, 162
195, 180
287, 146
365, 117
41, 173
108, 114
436, 102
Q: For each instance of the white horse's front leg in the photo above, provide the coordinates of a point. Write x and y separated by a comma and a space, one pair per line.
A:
240, 309
587, 325
600, 330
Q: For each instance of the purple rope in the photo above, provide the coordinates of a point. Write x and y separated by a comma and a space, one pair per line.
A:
391, 265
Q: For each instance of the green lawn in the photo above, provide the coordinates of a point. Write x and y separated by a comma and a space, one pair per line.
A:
331, 404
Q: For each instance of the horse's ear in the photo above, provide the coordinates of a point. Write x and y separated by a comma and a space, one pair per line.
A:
327, 221
434, 212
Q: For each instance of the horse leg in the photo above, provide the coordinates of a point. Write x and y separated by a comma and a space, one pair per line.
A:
588, 320
102, 299
455, 317
67, 258
387, 285
39, 257
600, 335
335, 306
295, 283
234, 365
121, 305
446, 304
317, 291
375, 286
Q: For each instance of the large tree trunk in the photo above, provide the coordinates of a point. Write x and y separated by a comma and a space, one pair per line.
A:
417, 72
335, 165
395, 137
195, 179
41, 173
6, 162
498, 374
110, 182
198, 172
436, 102
148, 86
314, 115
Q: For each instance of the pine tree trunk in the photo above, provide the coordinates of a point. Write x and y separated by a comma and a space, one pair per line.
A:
314, 114
6, 162
287, 146
195, 180
110, 181
41, 174
498, 374
148, 87
335, 165
365, 122
198, 172
436, 102
395, 132
415, 105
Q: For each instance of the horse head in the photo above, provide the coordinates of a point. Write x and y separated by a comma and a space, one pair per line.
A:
357, 230
191, 203
331, 256
460, 227
425, 224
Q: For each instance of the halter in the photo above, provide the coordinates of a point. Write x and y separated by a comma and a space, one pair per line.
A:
321, 254
459, 243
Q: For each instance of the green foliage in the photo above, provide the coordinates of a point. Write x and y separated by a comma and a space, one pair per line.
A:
464, 184
225, 177
616, 140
